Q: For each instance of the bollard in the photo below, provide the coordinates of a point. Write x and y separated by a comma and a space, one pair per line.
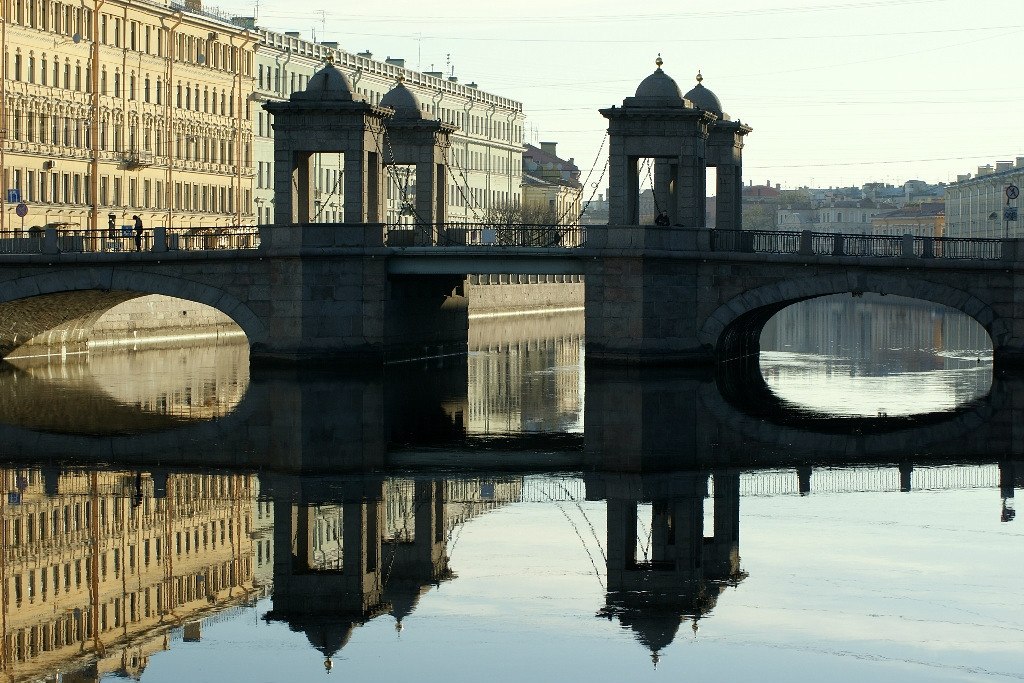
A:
907, 243
838, 244
928, 248
50, 241
806, 243
160, 239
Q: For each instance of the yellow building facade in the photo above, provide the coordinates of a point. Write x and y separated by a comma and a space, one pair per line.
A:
125, 108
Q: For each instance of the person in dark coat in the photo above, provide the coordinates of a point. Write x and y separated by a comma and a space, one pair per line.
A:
662, 219
138, 233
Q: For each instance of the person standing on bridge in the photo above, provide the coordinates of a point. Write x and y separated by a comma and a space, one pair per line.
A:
138, 232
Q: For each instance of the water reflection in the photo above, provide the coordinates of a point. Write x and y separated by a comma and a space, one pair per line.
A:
102, 569
842, 355
124, 392
99, 565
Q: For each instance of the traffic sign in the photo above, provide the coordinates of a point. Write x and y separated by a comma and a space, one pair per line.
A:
1012, 191
1009, 213
13, 196
22, 210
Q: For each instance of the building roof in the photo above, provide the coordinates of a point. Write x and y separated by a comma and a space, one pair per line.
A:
925, 210
403, 101
760, 191
657, 90
328, 84
703, 98
549, 168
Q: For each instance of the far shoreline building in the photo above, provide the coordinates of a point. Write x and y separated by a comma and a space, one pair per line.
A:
974, 206
486, 156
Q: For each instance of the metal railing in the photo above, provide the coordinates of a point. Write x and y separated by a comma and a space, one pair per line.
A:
21, 242
121, 240
484, 234
810, 243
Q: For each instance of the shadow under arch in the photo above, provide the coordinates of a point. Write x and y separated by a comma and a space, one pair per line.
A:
734, 328
74, 299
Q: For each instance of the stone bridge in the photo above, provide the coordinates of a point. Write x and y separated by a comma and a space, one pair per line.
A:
653, 294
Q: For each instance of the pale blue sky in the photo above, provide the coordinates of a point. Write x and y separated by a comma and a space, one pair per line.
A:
839, 92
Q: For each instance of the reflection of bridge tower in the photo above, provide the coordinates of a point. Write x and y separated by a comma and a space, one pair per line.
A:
327, 576
417, 560
684, 571
333, 568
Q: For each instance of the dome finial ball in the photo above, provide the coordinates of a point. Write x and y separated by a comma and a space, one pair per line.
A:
699, 77
658, 62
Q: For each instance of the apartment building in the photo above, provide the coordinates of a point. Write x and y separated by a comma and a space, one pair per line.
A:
116, 108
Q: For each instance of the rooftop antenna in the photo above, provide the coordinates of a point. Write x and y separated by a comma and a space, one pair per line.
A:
448, 64
256, 11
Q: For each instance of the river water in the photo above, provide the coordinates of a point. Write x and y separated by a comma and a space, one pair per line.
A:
845, 512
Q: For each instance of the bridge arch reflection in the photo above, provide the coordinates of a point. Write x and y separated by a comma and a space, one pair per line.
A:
734, 328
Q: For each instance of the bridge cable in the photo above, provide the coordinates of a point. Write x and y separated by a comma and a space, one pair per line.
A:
392, 171
579, 190
654, 195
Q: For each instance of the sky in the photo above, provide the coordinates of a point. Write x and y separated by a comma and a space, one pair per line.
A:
838, 92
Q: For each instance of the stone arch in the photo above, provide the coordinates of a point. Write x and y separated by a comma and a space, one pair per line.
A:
733, 329
109, 287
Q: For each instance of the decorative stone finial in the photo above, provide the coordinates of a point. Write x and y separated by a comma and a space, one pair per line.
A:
699, 77
659, 61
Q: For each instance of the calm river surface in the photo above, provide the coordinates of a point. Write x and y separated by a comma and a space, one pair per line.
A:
844, 512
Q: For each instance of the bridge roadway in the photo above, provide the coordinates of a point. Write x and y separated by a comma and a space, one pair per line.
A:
652, 294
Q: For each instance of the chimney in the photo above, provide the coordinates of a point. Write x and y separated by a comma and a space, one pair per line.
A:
395, 61
1020, 162
244, 22
1003, 166
985, 170
549, 148
292, 34
365, 54
778, 186
453, 79
962, 177
434, 74
333, 44
472, 84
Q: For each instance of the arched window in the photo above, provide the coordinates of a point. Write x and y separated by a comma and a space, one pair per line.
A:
117, 83
145, 89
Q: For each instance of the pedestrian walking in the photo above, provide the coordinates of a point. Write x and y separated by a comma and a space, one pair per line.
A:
138, 233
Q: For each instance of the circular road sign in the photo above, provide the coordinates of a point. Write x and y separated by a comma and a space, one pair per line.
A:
22, 210
1012, 191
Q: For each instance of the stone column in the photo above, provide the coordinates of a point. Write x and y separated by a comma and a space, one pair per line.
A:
690, 191
426, 191
302, 188
355, 187
729, 193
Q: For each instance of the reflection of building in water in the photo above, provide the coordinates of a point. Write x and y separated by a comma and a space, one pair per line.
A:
863, 327
98, 566
198, 383
533, 384
665, 571
375, 548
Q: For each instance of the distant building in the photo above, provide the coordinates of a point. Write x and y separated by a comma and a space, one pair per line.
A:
974, 206
922, 220
485, 159
551, 185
